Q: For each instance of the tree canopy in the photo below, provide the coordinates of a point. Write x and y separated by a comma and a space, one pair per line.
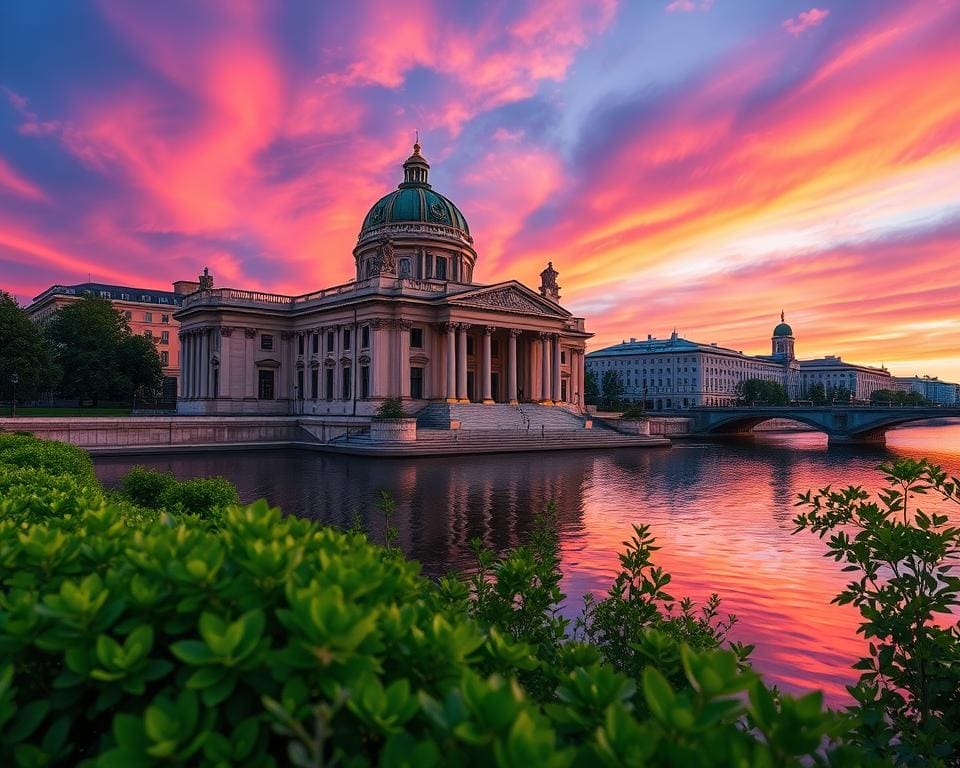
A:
23, 351
762, 391
100, 357
611, 389
897, 397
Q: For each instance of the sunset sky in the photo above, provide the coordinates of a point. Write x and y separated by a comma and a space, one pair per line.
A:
694, 164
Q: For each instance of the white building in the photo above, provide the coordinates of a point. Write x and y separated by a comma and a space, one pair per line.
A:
676, 373
932, 388
412, 325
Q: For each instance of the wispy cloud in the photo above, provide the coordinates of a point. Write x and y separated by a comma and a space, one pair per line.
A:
805, 20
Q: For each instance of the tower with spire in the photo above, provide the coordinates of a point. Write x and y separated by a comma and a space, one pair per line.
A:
783, 340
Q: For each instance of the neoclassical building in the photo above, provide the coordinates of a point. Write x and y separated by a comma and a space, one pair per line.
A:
413, 325
675, 373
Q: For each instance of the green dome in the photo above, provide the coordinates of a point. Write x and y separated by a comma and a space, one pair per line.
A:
414, 202
783, 329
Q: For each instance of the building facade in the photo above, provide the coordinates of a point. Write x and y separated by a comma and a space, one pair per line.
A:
676, 373
148, 312
932, 388
413, 324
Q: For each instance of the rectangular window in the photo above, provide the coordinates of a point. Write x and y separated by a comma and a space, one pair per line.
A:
416, 337
216, 383
329, 341
265, 384
441, 268
365, 337
563, 357
416, 382
365, 381
128, 315
300, 393
164, 337
328, 382
164, 300
148, 317
469, 345
314, 383
123, 296
346, 339
164, 318
266, 342
345, 393
300, 344
164, 358
494, 347
104, 294
315, 343
144, 297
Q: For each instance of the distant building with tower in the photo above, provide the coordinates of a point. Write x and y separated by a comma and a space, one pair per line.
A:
676, 373
932, 388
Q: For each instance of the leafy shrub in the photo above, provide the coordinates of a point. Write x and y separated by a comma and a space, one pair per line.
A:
908, 695
270, 640
146, 486
201, 496
19, 450
391, 408
635, 411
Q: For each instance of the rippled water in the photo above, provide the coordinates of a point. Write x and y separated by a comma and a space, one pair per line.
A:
721, 511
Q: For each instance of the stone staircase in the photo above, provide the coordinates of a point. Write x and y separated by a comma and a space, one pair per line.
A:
528, 417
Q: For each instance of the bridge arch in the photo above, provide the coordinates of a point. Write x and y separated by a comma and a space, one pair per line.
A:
742, 423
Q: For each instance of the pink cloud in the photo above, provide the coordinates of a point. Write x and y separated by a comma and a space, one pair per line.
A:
689, 6
15, 182
805, 20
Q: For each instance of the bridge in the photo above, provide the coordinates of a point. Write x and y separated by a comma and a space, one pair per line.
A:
843, 424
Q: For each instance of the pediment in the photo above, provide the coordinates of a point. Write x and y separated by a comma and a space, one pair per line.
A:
509, 297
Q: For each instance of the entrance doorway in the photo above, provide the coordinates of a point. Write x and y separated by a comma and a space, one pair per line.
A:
471, 389
495, 386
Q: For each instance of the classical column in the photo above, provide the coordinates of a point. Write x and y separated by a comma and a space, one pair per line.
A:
557, 389
462, 362
226, 386
545, 369
512, 366
249, 367
487, 366
205, 363
182, 389
451, 387
403, 332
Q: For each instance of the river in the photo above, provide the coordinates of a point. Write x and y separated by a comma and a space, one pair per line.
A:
721, 511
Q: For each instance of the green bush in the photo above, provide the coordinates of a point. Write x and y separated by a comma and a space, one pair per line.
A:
201, 496
146, 486
20, 450
391, 408
635, 411
902, 560
271, 640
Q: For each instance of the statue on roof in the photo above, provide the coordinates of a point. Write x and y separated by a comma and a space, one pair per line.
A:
206, 280
548, 283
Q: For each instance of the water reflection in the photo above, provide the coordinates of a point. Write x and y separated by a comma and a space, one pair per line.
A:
721, 511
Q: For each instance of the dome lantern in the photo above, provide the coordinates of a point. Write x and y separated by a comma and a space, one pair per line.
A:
415, 170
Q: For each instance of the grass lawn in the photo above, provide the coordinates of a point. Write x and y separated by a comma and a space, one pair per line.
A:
21, 411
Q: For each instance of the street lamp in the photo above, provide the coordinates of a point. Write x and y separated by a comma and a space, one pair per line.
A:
14, 379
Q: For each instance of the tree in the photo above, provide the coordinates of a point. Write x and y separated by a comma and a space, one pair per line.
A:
896, 397
591, 388
762, 391
100, 357
817, 394
840, 394
611, 389
23, 351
